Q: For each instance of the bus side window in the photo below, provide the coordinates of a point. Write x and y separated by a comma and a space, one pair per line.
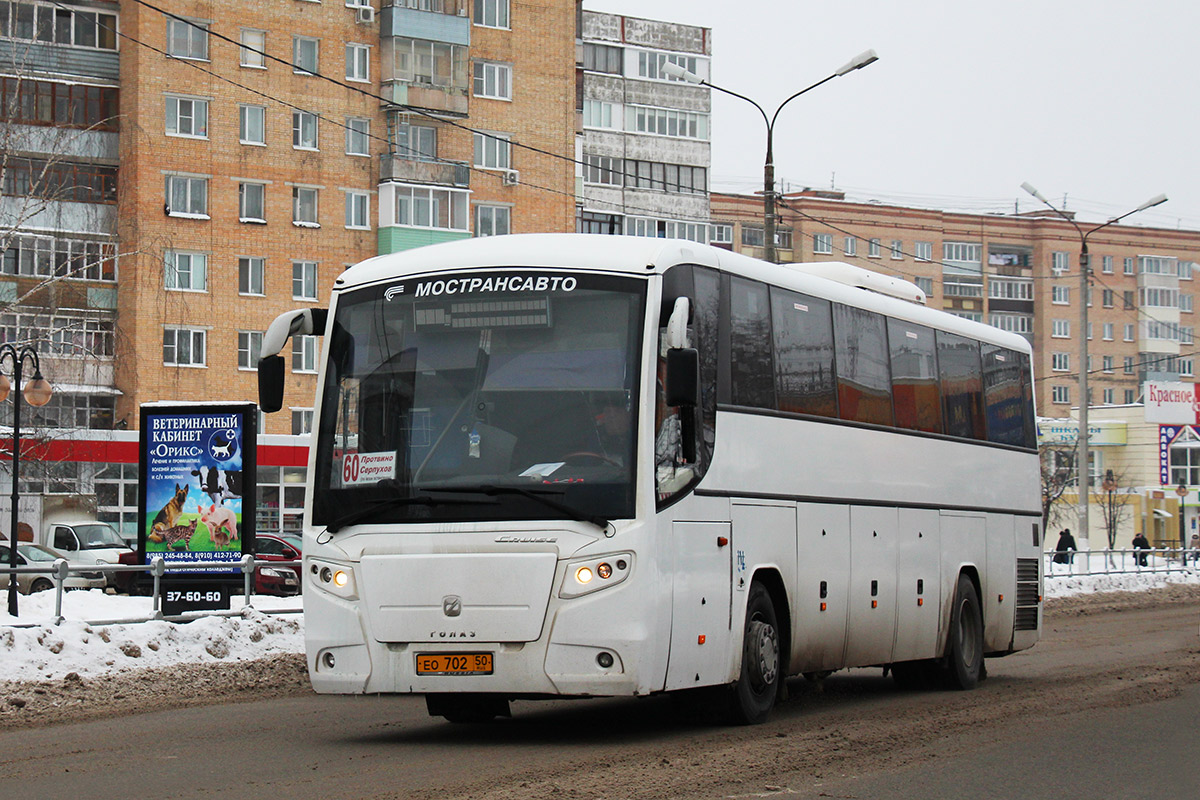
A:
962, 385
803, 330
1003, 395
750, 344
863, 373
915, 389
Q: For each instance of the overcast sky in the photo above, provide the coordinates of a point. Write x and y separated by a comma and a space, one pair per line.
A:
1090, 99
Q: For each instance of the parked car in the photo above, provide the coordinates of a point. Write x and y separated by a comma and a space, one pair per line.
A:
267, 579
37, 555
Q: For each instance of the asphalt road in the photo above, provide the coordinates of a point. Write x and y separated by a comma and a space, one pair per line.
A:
1107, 705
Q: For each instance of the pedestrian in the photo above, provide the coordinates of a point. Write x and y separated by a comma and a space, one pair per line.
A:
1194, 546
1140, 545
1066, 544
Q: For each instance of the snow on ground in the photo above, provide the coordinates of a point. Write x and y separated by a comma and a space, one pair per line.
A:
45, 651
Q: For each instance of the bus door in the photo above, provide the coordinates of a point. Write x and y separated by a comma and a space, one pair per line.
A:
700, 597
822, 586
872, 586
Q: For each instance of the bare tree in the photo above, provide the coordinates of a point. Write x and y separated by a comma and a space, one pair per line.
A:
1058, 474
1114, 504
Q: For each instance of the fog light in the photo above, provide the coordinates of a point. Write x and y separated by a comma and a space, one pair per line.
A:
328, 660
605, 660
583, 575
604, 570
340, 579
326, 574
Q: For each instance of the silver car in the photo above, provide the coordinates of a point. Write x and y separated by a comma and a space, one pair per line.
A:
36, 555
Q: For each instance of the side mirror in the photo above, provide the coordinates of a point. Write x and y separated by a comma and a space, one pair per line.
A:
270, 383
683, 378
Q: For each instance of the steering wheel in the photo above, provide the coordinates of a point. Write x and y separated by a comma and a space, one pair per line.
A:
589, 454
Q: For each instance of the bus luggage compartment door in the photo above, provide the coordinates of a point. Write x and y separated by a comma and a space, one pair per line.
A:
700, 598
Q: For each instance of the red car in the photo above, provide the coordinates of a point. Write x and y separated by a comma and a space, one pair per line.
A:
268, 579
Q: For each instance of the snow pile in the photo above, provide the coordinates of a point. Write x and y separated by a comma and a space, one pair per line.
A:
47, 651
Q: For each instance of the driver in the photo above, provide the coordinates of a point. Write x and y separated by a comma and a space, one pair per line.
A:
613, 426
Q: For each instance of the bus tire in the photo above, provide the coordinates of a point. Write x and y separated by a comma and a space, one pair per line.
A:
754, 693
964, 650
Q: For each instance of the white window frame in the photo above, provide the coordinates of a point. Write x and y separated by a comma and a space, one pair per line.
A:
197, 340
492, 151
301, 52
247, 115
358, 211
1060, 394
190, 125
492, 14
304, 279
187, 196
304, 198
722, 233
1060, 362
251, 276
358, 62
249, 350
822, 243
1060, 295
423, 207
253, 55
1061, 329
897, 250
873, 248
358, 136
185, 271
923, 251
488, 215
304, 354
195, 36
245, 190
300, 120
492, 80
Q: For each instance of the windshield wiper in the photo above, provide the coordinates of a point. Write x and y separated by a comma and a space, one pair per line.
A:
492, 490
367, 510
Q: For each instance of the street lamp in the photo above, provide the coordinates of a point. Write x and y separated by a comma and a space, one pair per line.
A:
37, 393
858, 62
1084, 273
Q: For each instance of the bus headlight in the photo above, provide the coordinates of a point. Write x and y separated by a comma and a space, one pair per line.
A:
336, 579
594, 574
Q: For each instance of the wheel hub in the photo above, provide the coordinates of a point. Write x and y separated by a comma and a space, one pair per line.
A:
762, 654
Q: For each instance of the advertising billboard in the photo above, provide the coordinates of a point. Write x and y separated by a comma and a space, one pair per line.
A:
198, 487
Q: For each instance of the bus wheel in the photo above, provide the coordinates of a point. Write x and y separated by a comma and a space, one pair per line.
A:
467, 708
756, 687
964, 653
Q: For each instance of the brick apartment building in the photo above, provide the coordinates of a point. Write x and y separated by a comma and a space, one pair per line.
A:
1017, 272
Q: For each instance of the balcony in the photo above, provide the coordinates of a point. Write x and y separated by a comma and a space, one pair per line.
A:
448, 100
394, 167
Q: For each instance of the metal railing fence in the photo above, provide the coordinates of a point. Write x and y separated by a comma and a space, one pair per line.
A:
1122, 562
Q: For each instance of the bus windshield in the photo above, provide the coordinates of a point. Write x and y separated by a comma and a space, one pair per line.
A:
481, 396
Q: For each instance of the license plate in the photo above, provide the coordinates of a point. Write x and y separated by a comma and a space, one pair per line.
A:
454, 663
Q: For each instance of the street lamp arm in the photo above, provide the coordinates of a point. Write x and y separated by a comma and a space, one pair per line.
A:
742, 97
797, 94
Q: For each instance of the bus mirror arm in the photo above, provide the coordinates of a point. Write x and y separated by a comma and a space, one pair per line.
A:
271, 364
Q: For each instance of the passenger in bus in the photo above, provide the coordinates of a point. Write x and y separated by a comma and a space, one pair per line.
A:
1066, 544
1141, 544
614, 426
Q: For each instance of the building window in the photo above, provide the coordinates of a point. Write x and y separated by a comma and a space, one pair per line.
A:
1060, 262
65, 105
302, 422
1130, 396
671, 229
59, 180
604, 170
1186, 303
492, 151
1186, 334
416, 141
923, 251
1106, 297
1061, 329
897, 250
186, 271
358, 210
603, 58
667, 122
252, 125
596, 222
1010, 289
304, 207
304, 280
187, 39
872, 248
1127, 297
1060, 362
493, 80
491, 13
1108, 331
249, 349
1128, 365
492, 220
1185, 270
305, 50
650, 64
358, 136
1060, 295
963, 254
425, 207
1129, 266
254, 48
425, 63
1108, 395
187, 117
47, 256
721, 234
358, 62
251, 202
599, 114
822, 243
1060, 394
304, 130
304, 353
250, 275
1129, 331
1185, 367
1106, 265
187, 196
925, 285
850, 246
184, 347
59, 25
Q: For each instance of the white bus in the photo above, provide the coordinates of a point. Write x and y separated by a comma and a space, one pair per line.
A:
565, 465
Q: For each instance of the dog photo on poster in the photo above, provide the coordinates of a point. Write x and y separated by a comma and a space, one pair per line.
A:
197, 481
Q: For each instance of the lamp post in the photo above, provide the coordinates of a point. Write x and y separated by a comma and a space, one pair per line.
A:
858, 62
37, 393
1085, 474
